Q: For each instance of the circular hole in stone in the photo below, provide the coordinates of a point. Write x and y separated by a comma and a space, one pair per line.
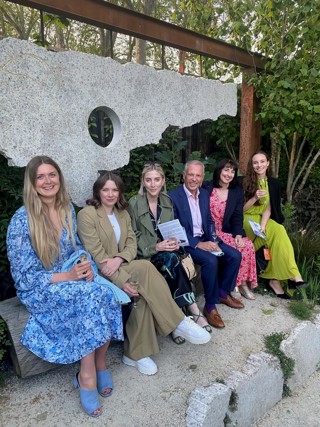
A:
103, 126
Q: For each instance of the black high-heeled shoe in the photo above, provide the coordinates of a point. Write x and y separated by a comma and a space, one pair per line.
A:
296, 285
282, 296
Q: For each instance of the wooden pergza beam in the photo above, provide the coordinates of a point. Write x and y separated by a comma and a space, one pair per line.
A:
103, 14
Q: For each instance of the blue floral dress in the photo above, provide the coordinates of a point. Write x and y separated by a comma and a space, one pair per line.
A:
68, 320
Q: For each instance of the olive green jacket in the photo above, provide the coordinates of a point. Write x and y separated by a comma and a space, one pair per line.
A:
142, 225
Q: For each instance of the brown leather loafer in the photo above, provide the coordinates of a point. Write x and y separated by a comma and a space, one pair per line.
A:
214, 318
231, 302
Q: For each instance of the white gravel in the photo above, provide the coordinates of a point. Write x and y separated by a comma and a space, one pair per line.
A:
161, 400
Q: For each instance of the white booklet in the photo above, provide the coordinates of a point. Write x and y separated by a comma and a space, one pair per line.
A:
174, 229
257, 229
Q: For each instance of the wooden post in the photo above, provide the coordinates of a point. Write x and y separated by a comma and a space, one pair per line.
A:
249, 128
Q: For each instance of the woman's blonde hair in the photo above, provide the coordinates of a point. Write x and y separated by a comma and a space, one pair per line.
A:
44, 236
149, 167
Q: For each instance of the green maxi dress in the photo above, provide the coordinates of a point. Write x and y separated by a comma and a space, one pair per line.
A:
282, 265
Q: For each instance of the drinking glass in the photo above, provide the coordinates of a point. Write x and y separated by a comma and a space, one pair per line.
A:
214, 234
83, 257
134, 283
262, 186
173, 239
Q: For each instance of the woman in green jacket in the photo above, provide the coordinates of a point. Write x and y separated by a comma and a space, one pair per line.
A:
149, 208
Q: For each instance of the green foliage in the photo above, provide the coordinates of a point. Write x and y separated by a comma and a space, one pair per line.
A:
306, 245
301, 310
11, 183
168, 153
272, 344
307, 208
100, 127
289, 213
225, 132
4, 342
310, 271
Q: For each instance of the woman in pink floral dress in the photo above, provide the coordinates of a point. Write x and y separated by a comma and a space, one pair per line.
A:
226, 206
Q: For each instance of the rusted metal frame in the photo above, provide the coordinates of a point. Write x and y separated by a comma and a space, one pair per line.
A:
116, 18
249, 127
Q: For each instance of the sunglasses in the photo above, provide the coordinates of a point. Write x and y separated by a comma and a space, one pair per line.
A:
152, 163
102, 172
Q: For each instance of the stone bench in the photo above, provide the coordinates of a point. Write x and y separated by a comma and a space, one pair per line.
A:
15, 315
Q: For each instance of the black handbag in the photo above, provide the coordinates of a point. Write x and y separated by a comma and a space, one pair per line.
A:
261, 262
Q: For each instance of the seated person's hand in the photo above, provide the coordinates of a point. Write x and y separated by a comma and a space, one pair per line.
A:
81, 271
110, 265
260, 193
129, 291
168, 245
209, 246
239, 241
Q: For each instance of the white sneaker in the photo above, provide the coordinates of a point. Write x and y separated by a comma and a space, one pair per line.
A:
145, 365
192, 332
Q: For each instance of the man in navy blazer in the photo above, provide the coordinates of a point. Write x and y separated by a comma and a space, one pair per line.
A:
218, 273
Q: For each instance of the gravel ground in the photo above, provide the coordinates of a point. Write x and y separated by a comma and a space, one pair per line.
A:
140, 401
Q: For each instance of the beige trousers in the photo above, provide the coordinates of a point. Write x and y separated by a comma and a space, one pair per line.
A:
156, 310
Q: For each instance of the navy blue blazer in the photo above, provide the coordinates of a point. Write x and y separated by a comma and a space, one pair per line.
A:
183, 213
233, 217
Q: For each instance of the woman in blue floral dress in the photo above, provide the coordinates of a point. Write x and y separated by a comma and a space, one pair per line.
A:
72, 316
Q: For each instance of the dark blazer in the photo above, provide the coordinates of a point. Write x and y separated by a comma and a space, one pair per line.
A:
182, 212
275, 199
233, 217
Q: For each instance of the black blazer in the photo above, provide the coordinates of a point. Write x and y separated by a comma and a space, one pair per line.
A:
233, 217
275, 199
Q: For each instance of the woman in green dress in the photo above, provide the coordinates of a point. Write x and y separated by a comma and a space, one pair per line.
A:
263, 205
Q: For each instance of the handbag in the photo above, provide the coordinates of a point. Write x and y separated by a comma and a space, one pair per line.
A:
166, 262
188, 265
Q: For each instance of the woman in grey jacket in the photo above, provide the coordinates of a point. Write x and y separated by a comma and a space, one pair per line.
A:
149, 208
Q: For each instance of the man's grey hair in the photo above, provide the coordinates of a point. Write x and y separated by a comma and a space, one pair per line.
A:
193, 162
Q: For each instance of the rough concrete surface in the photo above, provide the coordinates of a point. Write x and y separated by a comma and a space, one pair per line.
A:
260, 377
162, 400
47, 97
303, 345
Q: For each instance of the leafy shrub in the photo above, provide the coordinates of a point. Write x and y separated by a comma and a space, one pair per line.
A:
307, 207
306, 244
4, 343
168, 153
11, 183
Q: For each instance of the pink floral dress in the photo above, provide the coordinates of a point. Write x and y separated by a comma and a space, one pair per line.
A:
247, 271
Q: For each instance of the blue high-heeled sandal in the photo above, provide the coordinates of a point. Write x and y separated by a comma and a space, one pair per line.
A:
89, 399
104, 381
